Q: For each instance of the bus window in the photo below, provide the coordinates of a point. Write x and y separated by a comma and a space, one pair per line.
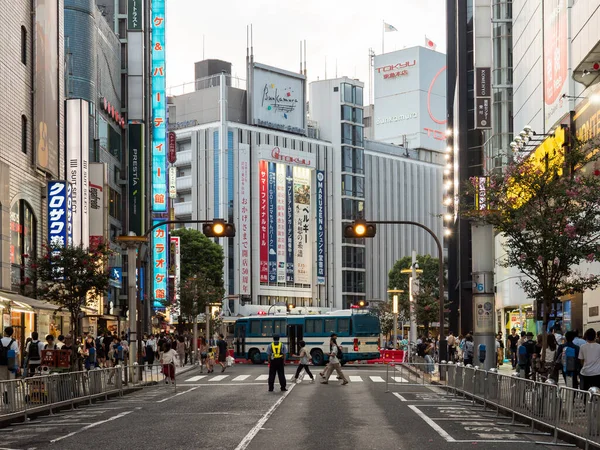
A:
344, 327
279, 327
255, 327
314, 326
330, 326
267, 327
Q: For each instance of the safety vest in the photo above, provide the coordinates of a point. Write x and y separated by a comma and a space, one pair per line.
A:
276, 349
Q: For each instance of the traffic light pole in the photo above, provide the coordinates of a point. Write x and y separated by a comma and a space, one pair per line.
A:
443, 345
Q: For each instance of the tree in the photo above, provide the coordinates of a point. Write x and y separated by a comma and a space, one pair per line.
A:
548, 209
383, 311
72, 278
427, 304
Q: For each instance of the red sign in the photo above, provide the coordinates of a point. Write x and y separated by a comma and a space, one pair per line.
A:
172, 155
395, 67
263, 221
277, 155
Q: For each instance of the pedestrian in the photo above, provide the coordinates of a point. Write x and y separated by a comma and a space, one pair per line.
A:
276, 356
222, 352
546, 366
34, 354
8, 366
335, 356
429, 353
202, 351
499, 350
61, 342
512, 341
181, 350
50, 345
526, 353
560, 359
451, 347
210, 360
150, 350
589, 354
168, 362
303, 355
468, 350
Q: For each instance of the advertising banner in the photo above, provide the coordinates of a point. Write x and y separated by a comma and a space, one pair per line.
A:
59, 213
46, 81
302, 215
272, 223
159, 109
77, 144
556, 70
484, 313
281, 226
320, 227
172, 182
263, 176
134, 15
289, 224
136, 178
483, 98
175, 265
97, 210
159, 255
244, 218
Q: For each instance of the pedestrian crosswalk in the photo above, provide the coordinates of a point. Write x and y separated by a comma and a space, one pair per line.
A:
264, 377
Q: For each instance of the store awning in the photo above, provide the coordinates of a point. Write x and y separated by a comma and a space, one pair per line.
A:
26, 304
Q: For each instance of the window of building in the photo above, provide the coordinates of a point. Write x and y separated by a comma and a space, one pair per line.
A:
347, 185
24, 134
359, 160
353, 257
358, 136
353, 281
23, 244
357, 115
347, 159
358, 95
346, 133
352, 209
359, 186
347, 113
347, 93
24, 45
114, 207
114, 142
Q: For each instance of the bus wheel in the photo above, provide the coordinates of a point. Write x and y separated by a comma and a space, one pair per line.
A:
317, 357
254, 356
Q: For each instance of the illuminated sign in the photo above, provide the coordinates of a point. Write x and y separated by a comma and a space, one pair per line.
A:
159, 108
59, 213
320, 227
159, 254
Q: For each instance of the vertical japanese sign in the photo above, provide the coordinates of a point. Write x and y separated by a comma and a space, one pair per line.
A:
59, 213
77, 143
175, 265
159, 109
289, 224
272, 223
244, 218
159, 254
97, 212
320, 227
136, 178
281, 226
263, 233
302, 214
134, 15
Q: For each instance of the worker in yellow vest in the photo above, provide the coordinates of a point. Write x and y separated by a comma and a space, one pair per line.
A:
276, 354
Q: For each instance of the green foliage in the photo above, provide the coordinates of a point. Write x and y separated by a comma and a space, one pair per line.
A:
383, 311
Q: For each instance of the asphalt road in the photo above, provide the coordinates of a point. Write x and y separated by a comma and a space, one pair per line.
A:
234, 411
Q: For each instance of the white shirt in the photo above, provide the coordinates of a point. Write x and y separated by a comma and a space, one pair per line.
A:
151, 343
15, 346
550, 355
333, 359
168, 357
590, 354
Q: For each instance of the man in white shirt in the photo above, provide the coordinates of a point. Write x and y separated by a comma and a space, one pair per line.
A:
34, 355
9, 343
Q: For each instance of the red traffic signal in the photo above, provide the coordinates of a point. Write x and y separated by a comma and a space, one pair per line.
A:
218, 228
360, 229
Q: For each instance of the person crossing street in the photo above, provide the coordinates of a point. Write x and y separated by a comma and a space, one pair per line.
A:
276, 355
334, 362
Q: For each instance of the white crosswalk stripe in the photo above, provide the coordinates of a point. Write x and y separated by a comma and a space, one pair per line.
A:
218, 378
377, 379
196, 378
355, 378
400, 380
241, 377
262, 378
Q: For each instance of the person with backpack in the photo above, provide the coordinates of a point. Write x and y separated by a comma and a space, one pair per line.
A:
9, 351
468, 350
335, 357
34, 354
526, 352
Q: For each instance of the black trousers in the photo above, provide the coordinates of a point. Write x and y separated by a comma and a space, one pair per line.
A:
305, 367
276, 367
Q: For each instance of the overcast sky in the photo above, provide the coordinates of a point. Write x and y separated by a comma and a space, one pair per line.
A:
334, 30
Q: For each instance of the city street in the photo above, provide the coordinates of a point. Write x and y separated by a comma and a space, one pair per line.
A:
234, 411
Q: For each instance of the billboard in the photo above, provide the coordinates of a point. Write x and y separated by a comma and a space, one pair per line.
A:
320, 227
159, 109
97, 210
263, 200
556, 70
59, 213
272, 222
278, 99
410, 98
175, 264
136, 178
76, 170
46, 81
302, 226
159, 264
244, 219
281, 227
134, 15
289, 224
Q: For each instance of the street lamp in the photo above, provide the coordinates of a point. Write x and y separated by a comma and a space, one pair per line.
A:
413, 271
395, 313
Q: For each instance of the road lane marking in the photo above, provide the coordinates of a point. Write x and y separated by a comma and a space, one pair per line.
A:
377, 379
402, 399
432, 424
355, 378
218, 378
254, 431
262, 378
95, 424
399, 380
196, 378
177, 395
241, 377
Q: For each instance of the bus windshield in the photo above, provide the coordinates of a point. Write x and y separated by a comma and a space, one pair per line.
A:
366, 325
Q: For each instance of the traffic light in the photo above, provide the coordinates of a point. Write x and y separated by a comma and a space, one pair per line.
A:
360, 229
218, 228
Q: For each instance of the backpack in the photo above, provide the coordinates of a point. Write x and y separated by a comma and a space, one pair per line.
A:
421, 349
119, 353
340, 353
4, 354
33, 351
469, 350
568, 360
523, 356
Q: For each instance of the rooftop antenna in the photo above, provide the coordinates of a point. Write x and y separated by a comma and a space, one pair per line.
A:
305, 73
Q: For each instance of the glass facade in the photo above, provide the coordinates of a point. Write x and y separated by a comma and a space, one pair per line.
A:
352, 140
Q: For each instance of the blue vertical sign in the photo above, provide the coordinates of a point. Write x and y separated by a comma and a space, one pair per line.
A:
159, 109
289, 224
272, 223
160, 264
320, 227
60, 221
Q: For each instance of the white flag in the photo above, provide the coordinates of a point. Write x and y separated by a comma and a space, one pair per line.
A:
429, 43
387, 27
